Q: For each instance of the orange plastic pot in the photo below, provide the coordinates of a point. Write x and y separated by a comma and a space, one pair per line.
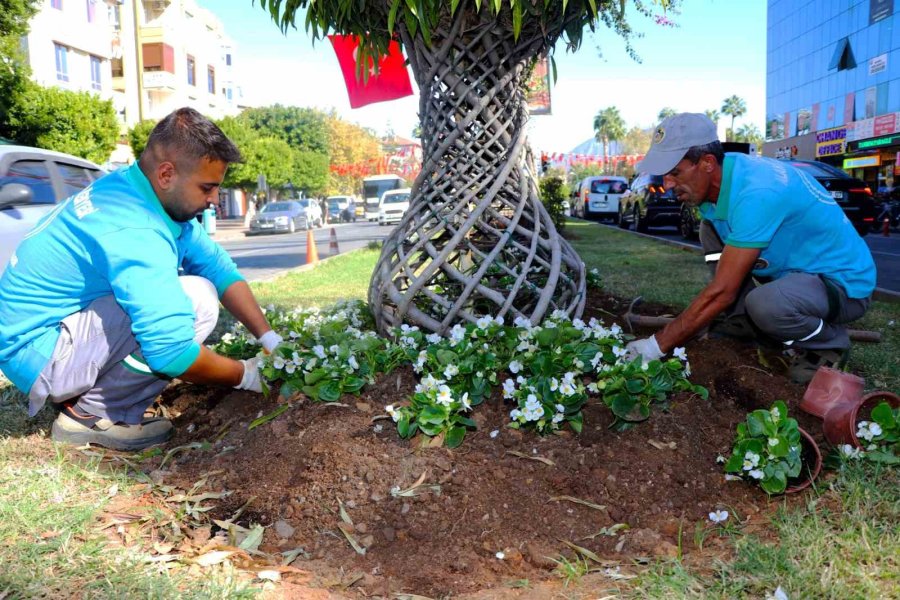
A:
840, 422
809, 454
830, 388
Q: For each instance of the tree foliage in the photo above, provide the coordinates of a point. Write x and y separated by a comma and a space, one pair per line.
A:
14, 70
609, 126
376, 22
665, 113
139, 134
734, 106
749, 133
635, 141
77, 123
352, 147
302, 128
554, 192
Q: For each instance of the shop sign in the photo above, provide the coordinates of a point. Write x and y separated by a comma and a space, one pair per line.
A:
862, 161
888, 140
786, 152
830, 142
877, 64
885, 124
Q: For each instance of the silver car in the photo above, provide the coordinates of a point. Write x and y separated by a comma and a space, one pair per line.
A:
286, 216
32, 182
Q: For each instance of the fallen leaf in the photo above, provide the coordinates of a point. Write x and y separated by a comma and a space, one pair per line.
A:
546, 461
213, 558
662, 445
578, 501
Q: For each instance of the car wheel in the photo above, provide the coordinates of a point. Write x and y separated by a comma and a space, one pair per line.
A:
639, 223
621, 221
686, 224
292, 226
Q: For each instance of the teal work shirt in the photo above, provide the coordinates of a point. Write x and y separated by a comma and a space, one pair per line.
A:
112, 238
793, 220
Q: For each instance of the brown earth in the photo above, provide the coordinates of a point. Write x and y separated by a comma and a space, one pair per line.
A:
659, 478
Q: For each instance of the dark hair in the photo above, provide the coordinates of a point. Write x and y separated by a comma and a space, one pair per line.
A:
695, 153
186, 135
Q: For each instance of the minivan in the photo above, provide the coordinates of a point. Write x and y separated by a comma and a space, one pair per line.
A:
598, 197
648, 204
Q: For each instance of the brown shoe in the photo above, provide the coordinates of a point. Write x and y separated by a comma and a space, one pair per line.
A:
805, 363
117, 436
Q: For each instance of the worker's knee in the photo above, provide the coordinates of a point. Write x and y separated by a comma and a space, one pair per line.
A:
205, 300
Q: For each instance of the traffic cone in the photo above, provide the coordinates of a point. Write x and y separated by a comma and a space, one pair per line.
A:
885, 227
332, 244
312, 253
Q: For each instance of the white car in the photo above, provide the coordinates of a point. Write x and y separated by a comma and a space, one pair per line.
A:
393, 206
598, 197
32, 182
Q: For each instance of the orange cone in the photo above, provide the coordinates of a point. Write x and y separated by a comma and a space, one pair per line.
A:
332, 244
312, 253
886, 227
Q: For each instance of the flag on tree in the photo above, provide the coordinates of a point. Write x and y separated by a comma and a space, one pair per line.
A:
391, 81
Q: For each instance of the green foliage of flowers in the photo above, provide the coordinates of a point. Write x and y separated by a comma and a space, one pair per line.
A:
880, 437
767, 449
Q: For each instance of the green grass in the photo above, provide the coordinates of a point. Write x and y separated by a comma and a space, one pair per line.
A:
844, 544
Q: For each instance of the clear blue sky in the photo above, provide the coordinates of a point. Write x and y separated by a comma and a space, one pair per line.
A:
718, 49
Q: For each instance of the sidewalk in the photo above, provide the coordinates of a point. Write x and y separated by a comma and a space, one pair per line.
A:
229, 229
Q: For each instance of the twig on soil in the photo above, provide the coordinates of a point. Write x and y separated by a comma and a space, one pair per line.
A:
340, 404
404, 596
763, 371
223, 430
662, 445
177, 449
578, 501
416, 488
243, 507
266, 418
546, 461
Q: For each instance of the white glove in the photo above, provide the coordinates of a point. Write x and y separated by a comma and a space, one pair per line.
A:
250, 381
646, 348
270, 340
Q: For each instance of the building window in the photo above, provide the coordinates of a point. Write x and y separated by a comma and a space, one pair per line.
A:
843, 56
211, 80
228, 59
91, 13
95, 73
115, 16
228, 94
192, 80
57, 4
62, 64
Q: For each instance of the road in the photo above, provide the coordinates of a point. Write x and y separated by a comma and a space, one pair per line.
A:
262, 257
885, 251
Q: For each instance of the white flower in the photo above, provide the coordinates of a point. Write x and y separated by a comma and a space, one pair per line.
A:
680, 354
729, 477
535, 414
450, 371
319, 350
756, 474
484, 322
520, 380
849, 451
592, 387
466, 405
875, 428
559, 315
290, 368
515, 414
515, 366
495, 433
407, 329
227, 338
751, 460
509, 388
560, 408
566, 388
500, 555
457, 334
334, 348
773, 442
433, 338
531, 402
718, 516
579, 364
354, 364
395, 414
578, 324
444, 395
778, 594
554, 384
619, 352
776, 414
558, 417
278, 362
720, 459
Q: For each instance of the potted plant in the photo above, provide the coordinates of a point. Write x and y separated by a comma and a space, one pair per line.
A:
772, 450
872, 420
829, 388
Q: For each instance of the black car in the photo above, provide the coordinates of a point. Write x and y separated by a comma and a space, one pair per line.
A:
648, 203
850, 193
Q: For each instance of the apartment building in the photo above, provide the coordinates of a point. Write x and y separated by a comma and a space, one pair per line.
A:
171, 53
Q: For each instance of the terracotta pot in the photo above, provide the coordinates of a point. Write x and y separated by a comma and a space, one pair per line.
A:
840, 421
809, 453
829, 388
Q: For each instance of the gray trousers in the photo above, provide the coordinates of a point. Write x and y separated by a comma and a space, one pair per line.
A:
97, 358
795, 309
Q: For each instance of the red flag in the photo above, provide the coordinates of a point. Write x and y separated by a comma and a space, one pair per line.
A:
391, 81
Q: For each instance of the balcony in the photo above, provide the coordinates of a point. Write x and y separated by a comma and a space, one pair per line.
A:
159, 81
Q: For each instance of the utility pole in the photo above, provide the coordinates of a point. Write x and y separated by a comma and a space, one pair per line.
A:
138, 55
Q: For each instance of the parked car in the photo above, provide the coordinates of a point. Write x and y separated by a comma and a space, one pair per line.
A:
32, 182
598, 196
341, 209
648, 203
393, 205
689, 222
286, 216
851, 194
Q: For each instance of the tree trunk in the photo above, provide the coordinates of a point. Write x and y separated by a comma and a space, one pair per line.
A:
476, 240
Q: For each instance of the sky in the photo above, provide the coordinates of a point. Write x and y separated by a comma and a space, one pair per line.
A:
717, 49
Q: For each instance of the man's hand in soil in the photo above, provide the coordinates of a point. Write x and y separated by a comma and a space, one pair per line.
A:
646, 348
250, 381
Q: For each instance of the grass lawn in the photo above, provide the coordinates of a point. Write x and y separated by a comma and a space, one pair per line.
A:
58, 510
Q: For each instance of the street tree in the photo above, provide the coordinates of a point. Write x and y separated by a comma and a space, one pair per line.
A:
609, 126
139, 134
302, 128
635, 141
734, 107
14, 70
475, 204
749, 133
665, 113
77, 123
354, 153
714, 115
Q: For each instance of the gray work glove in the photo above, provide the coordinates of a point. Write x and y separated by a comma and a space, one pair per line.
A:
646, 348
250, 381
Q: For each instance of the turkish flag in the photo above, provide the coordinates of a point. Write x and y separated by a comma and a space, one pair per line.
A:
389, 83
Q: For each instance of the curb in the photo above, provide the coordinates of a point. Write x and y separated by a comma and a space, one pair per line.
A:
303, 268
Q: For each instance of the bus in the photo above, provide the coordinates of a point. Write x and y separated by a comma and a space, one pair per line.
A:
373, 188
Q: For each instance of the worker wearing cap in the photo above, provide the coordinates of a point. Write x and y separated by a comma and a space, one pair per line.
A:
787, 264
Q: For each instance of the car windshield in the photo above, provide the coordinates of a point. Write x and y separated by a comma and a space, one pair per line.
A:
276, 207
334, 204
605, 186
395, 198
818, 169
303, 203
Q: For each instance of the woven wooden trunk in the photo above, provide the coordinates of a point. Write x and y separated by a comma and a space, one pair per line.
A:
476, 240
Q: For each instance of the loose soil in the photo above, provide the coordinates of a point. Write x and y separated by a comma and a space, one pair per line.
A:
659, 478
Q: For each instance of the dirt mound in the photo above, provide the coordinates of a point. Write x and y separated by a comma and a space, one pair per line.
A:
502, 491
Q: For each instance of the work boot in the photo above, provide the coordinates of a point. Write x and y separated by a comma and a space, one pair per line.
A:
805, 363
71, 429
735, 327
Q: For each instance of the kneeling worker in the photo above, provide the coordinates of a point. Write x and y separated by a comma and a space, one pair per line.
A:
786, 261
113, 293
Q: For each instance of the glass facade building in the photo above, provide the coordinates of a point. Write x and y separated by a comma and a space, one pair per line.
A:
833, 84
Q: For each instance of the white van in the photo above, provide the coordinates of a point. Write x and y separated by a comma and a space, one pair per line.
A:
393, 205
598, 197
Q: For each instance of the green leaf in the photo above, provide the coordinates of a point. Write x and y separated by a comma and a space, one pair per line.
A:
546, 337
885, 458
392, 15
352, 384
465, 421
315, 376
635, 386
266, 418
432, 415
622, 405
756, 422
446, 357
775, 484
403, 426
735, 463
576, 422
517, 19
330, 391
453, 5
884, 416
454, 437
312, 391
